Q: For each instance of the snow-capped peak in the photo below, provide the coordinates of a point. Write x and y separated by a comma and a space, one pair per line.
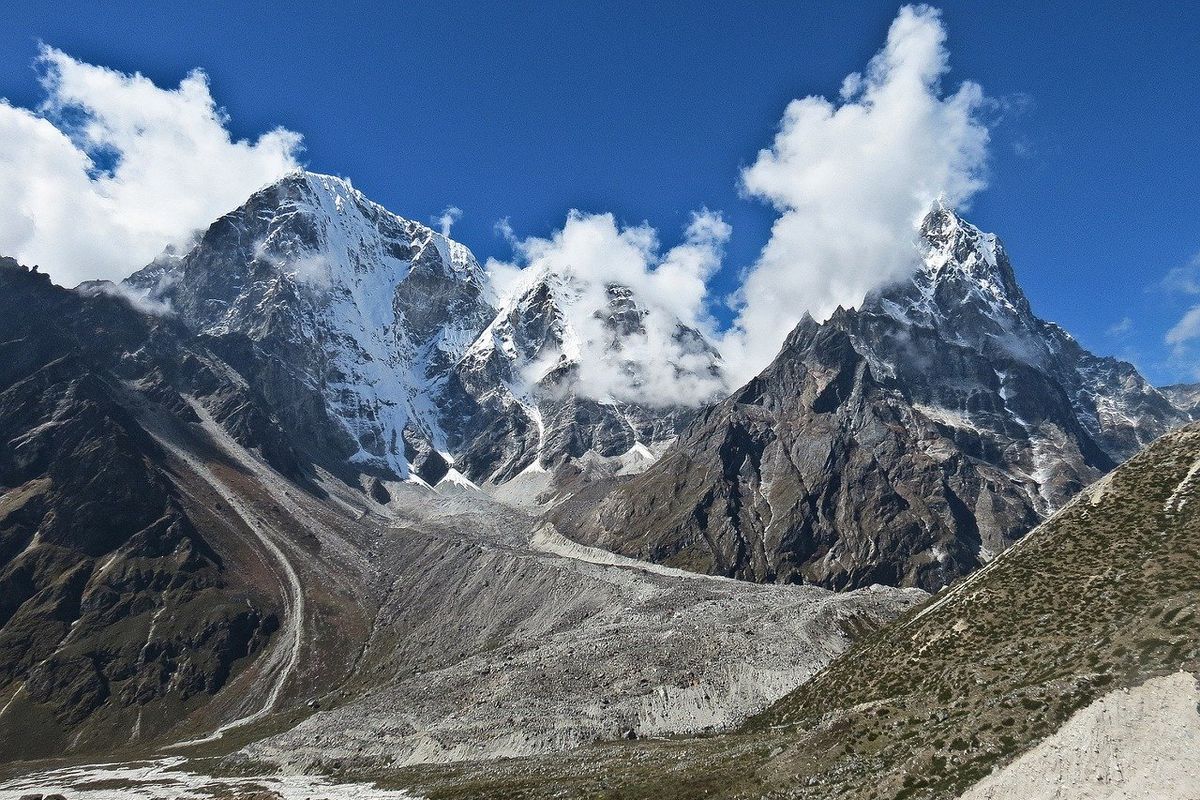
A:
358, 232
962, 271
367, 307
952, 243
398, 330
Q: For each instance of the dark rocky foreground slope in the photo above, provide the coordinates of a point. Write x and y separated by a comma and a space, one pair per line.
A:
1076, 651
116, 611
906, 442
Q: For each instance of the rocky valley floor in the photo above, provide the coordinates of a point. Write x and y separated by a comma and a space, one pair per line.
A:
444, 626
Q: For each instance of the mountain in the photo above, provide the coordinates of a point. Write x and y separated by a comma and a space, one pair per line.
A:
178, 575
523, 372
127, 600
339, 297
420, 367
1067, 668
297, 494
1184, 396
905, 442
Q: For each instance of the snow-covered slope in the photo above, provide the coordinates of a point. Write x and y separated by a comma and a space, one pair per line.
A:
397, 329
365, 307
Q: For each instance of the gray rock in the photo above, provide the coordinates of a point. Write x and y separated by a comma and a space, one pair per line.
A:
906, 442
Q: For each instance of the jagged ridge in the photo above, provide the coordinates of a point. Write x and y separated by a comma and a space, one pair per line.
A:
906, 442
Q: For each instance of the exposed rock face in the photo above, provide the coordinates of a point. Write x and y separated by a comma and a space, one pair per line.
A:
906, 442
111, 600
381, 344
1184, 396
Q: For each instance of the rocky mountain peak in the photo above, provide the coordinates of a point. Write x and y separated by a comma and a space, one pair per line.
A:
945, 381
962, 269
402, 333
323, 212
367, 307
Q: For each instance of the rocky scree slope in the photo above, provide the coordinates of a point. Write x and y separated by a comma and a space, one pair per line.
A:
419, 367
906, 442
1093, 613
498, 638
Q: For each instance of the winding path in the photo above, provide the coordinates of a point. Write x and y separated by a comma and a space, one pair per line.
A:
281, 662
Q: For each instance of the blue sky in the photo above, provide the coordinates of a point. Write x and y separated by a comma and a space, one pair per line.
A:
651, 110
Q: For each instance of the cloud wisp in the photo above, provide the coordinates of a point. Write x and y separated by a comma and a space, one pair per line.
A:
446, 220
1184, 281
110, 169
1121, 328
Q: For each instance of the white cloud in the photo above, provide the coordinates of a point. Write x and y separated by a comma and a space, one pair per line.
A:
851, 180
110, 169
1187, 329
446, 220
1182, 280
1121, 328
591, 253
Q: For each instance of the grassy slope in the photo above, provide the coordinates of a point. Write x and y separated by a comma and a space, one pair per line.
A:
1104, 595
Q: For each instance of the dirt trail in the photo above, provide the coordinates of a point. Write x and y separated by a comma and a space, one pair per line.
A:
279, 664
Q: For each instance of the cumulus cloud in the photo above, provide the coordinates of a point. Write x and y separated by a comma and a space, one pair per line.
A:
851, 180
110, 168
590, 260
445, 220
